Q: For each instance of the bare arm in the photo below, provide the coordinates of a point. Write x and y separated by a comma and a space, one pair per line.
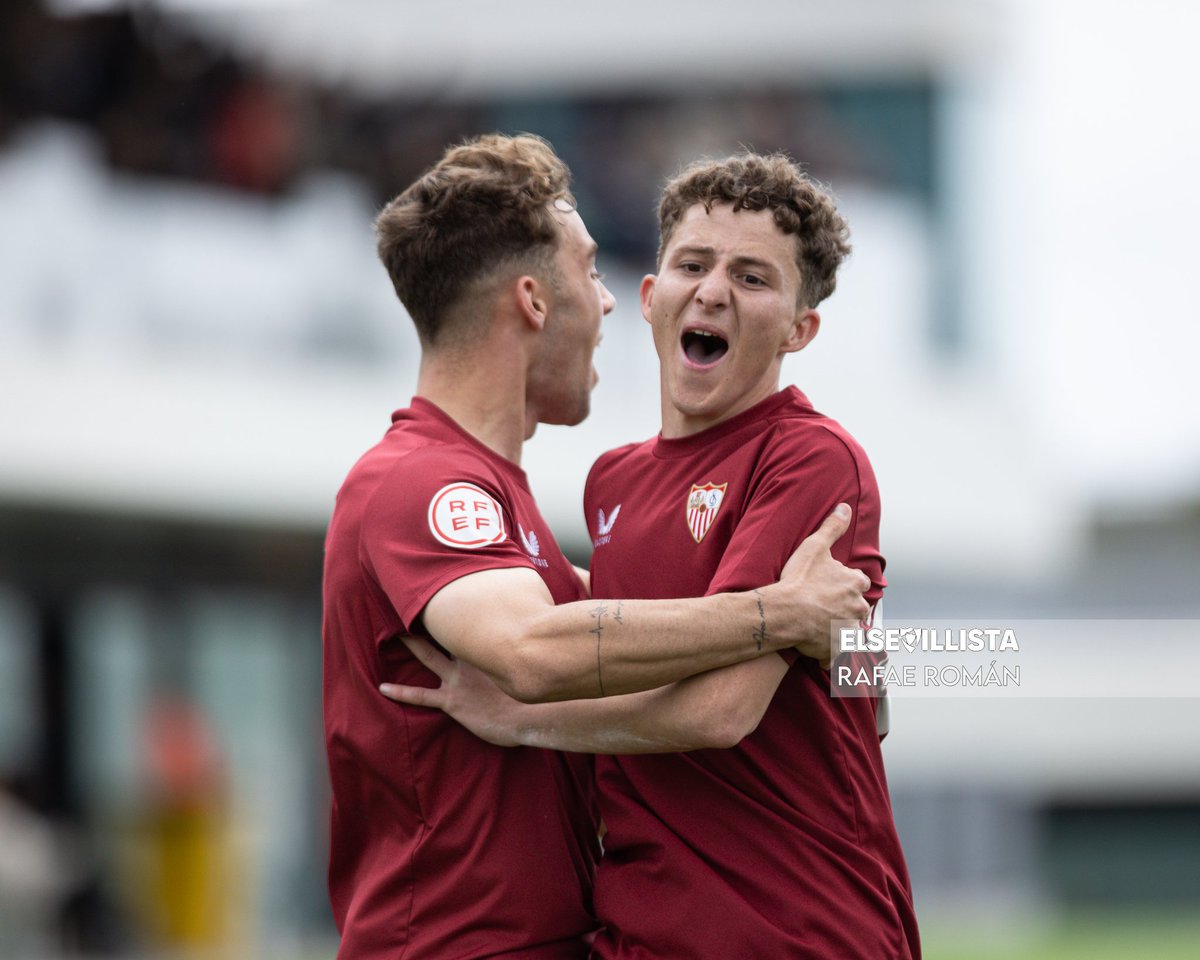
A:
714, 709
585, 577
505, 623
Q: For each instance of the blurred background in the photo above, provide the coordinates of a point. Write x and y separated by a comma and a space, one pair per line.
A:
196, 342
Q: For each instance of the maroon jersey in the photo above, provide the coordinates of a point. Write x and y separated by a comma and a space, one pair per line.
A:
443, 846
783, 846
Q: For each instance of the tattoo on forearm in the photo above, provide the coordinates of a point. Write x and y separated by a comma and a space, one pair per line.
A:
617, 612
599, 612
760, 634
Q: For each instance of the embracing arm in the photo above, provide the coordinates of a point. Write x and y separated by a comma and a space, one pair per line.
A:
505, 623
714, 709
585, 577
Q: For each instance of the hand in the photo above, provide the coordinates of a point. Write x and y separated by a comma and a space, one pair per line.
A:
466, 694
824, 589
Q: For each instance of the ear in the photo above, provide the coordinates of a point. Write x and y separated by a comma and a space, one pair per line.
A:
531, 300
647, 292
804, 328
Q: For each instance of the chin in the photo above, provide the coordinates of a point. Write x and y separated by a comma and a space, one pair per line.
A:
567, 416
580, 415
693, 406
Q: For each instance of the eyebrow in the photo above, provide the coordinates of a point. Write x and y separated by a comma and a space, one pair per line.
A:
764, 265
693, 250
740, 261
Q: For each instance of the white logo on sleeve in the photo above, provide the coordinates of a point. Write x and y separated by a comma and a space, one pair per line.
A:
464, 516
604, 525
532, 547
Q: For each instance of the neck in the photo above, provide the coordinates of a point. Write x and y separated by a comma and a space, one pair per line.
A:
482, 394
678, 423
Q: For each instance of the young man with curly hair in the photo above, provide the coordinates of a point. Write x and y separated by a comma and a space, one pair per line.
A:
782, 844
443, 845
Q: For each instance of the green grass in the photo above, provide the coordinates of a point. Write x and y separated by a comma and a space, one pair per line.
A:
1092, 937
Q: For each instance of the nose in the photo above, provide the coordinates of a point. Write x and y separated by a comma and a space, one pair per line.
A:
712, 291
607, 300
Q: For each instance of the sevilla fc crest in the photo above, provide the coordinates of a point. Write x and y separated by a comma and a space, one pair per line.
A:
703, 502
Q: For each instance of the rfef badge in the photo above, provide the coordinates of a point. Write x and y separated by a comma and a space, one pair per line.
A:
703, 502
464, 516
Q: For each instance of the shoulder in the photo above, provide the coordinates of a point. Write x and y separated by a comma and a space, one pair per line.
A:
619, 458
449, 458
807, 447
418, 478
806, 433
443, 462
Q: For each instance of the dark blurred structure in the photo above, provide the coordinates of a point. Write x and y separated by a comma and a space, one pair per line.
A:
124, 762
166, 103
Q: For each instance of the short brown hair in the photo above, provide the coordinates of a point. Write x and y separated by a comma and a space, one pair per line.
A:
751, 181
484, 205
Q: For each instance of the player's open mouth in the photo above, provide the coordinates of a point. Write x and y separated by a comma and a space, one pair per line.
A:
703, 348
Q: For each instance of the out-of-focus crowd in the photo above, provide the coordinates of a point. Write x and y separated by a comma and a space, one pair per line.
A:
163, 101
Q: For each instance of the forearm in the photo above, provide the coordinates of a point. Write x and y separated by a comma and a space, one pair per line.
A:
627, 723
714, 709
711, 710
600, 648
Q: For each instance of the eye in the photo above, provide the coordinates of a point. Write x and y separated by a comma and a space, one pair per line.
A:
753, 280
597, 276
690, 267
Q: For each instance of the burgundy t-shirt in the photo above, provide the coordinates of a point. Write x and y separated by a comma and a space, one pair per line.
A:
783, 846
442, 846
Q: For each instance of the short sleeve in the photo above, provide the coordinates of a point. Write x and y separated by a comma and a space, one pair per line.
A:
801, 477
433, 519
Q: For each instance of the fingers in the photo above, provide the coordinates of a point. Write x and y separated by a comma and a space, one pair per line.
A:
861, 610
834, 527
849, 602
416, 696
822, 539
429, 655
435, 660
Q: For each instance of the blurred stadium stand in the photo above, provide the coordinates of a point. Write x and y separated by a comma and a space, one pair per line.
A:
196, 342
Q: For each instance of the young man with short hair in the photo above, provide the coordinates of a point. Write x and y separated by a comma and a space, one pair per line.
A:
443, 845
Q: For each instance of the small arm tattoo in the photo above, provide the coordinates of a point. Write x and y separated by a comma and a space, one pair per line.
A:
617, 612
760, 634
599, 612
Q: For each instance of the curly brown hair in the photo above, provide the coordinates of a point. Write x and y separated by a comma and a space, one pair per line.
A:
484, 207
751, 181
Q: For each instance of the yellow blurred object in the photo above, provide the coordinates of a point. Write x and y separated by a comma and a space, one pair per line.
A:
189, 901
189, 845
